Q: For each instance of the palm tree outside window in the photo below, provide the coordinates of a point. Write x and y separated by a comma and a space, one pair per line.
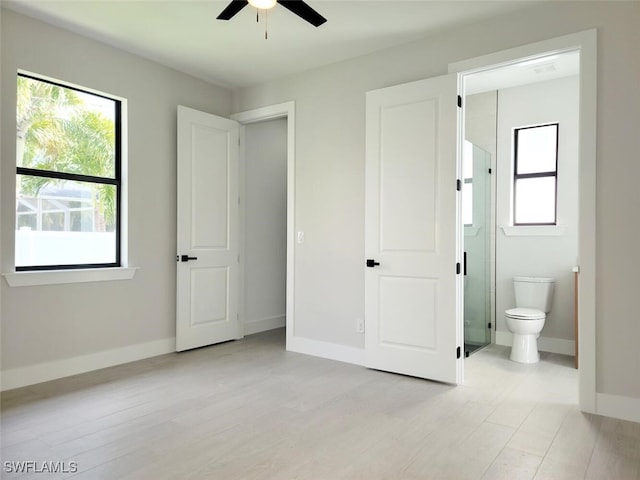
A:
68, 149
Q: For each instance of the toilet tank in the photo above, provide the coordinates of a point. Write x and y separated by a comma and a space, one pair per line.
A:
534, 292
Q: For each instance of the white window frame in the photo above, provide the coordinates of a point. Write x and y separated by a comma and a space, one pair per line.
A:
538, 174
82, 275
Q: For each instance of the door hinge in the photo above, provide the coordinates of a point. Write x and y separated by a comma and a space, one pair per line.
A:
458, 352
489, 325
458, 185
458, 268
459, 101
490, 171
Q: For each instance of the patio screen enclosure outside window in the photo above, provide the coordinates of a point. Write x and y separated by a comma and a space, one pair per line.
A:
68, 149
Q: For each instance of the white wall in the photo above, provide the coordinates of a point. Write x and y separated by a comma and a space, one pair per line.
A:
100, 322
330, 113
481, 112
265, 236
329, 182
554, 101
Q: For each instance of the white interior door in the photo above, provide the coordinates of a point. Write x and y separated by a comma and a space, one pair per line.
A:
208, 230
411, 214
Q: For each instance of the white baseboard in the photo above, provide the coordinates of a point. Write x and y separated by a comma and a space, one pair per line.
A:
616, 406
331, 351
557, 345
43, 372
264, 324
545, 344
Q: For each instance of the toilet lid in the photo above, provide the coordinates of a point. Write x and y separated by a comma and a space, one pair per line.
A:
525, 313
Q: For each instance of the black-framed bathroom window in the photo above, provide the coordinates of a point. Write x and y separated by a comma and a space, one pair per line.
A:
535, 175
68, 176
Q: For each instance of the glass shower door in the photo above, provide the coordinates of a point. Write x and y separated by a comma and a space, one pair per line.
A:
476, 213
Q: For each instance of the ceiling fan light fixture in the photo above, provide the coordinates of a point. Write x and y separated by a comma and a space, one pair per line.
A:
298, 7
263, 4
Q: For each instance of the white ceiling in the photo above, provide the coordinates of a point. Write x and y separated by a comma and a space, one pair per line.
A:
534, 70
185, 35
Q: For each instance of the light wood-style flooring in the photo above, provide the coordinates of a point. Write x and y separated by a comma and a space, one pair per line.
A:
250, 410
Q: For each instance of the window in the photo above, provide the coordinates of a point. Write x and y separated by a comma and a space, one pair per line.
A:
68, 183
535, 175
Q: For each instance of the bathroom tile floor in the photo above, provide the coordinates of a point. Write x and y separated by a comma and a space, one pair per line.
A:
471, 348
250, 410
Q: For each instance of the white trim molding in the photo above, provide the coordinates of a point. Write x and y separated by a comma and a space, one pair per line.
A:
264, 324
55, 277
330, 351
265, 113
471, 231
282, 110
43, 372
545, 344
534, 231
617, 406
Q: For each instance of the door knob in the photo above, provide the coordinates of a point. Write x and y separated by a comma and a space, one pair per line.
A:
372, 263
186, 258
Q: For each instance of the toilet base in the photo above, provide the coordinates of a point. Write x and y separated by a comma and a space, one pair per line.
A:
525, 348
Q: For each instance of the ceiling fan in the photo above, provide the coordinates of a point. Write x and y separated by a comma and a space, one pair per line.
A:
298, 7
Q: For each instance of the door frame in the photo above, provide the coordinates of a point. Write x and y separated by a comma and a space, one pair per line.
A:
586, 43
272, 112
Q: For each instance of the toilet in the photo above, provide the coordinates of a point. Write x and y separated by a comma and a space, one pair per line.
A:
533, 302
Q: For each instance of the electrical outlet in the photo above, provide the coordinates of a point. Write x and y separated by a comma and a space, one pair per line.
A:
359, 325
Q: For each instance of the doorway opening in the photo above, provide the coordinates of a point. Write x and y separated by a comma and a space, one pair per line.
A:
541, 56
265, 225
267, 218
498, 103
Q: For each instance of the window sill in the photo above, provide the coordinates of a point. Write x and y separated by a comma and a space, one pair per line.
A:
534, 231
54, 277
471, 231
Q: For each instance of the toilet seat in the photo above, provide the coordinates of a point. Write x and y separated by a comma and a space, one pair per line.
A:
525, 314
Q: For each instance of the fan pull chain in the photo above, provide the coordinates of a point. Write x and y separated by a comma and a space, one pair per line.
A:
266, 22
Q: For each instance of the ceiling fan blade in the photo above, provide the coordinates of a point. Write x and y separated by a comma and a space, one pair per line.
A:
234, 7
304, 11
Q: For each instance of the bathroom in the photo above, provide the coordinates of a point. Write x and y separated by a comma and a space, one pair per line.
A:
499, 102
